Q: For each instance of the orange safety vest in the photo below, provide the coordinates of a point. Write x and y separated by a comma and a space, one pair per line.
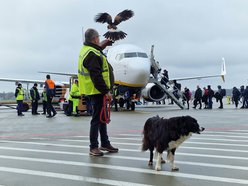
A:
50, 83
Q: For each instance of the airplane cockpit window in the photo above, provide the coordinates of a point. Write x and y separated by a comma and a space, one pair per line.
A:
119, 57
130, 54
144, 55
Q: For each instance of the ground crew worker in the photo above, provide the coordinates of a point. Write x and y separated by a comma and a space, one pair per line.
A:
19, 94
50, 91
34, 97
95, 76
44, 101
74, 97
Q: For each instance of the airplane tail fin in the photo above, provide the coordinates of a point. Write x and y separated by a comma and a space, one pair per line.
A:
223, 69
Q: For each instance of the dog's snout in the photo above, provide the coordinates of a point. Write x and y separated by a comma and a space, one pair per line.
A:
202, 129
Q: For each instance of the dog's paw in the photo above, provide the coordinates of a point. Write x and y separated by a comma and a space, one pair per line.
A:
175, 169
158, 168
150, 163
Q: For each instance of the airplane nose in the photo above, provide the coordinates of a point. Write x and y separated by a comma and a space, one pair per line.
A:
139, 71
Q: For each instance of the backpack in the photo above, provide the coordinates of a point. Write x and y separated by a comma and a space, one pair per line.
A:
223, 92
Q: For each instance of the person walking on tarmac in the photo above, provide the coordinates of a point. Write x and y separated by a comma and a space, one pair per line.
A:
95, 80
34, 97
210, 97
44, 101
74, 97
50, 91
198, 97
221, 93
19, 94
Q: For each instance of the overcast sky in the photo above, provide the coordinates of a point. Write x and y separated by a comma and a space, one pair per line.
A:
190, 36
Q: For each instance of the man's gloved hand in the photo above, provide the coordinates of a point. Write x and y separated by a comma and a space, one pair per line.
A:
105, 43
109, 96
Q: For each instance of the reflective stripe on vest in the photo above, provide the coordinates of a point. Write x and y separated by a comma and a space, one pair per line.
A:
20, 95
86, 85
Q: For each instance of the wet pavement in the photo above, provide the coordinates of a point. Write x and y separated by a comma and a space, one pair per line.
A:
35, 150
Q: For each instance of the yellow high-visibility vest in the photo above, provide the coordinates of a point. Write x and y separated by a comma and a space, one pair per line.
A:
20, 95
86, 85
74, 91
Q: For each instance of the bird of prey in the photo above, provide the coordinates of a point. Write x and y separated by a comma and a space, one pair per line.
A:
113, 33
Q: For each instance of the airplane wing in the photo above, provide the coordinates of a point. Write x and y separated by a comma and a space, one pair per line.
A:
59, 73
22, 80
222, 74
27, 81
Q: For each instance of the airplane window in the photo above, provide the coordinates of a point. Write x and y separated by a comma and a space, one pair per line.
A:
119, 57
144, 55
131, 54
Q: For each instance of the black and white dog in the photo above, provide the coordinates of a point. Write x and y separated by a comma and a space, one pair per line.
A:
167, 134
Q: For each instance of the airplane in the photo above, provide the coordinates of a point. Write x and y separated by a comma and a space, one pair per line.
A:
136, 74
132, 70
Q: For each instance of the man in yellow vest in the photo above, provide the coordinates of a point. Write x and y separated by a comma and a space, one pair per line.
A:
19, 94
95, 76
74, 97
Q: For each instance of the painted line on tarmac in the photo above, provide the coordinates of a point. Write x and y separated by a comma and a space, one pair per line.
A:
111, 167
221, 166
194, 138
132, 150
83, 154
220, 132
68, 177
140, 158
139, 144
203, 134
241, 130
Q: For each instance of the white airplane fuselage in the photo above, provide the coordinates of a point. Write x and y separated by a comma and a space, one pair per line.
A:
131, 65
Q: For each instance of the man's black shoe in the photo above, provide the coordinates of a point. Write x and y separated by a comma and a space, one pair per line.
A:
109, 148
20, 114
54, 114
96, 152
49, 116
43, 113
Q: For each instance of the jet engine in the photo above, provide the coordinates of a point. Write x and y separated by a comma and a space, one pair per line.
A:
153, 92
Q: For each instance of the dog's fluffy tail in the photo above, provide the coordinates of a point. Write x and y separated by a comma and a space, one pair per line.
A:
147, 132
146, 144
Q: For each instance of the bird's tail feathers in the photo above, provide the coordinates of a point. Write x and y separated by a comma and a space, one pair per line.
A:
115, 35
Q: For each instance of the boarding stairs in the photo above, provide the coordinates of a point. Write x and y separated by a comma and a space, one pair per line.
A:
168, 89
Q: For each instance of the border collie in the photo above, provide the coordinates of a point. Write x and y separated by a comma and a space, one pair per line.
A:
167, 134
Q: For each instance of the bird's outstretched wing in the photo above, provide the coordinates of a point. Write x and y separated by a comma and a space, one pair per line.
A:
123, 16
103, 18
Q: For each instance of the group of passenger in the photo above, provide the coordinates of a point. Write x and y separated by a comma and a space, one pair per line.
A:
240, 96
206, 96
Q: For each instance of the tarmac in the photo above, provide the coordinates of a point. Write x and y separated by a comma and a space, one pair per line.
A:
35, 150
